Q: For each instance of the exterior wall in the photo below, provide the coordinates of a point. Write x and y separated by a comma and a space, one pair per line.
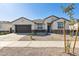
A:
49, 19
5, 26
45, 25
54, 25
22, 22
76, 26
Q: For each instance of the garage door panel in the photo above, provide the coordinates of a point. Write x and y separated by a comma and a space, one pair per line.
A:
23, 28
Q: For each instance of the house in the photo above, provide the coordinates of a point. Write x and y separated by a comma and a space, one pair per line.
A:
24, 25
5, 26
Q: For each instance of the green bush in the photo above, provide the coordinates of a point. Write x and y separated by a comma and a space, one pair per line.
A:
4, 33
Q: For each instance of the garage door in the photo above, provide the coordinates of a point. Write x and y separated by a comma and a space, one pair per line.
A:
23, 28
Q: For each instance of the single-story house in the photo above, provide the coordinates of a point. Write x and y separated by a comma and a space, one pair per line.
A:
5, 26
24, 25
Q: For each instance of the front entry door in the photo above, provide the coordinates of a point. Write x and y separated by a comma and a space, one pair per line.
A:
49, 29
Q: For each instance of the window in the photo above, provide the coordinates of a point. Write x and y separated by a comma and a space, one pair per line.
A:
60, 25
39, 26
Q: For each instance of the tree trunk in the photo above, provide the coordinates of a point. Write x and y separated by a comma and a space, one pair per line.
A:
64, 37
75, 38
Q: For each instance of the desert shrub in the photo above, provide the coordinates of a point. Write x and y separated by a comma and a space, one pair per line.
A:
4, 33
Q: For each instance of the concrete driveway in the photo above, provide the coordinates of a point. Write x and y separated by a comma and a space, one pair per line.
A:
11, 37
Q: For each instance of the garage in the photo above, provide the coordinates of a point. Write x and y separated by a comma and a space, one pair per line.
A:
23, 28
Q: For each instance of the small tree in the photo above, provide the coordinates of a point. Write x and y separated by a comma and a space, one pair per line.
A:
69, 11
77, 30
64, 37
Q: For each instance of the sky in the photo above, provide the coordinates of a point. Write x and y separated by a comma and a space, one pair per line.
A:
12, 11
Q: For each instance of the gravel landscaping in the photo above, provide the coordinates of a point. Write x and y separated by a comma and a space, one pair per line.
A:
23, 51
51, 37
26, 37
36, 38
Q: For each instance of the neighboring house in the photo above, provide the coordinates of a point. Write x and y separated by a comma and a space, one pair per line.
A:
5, 26
24, 25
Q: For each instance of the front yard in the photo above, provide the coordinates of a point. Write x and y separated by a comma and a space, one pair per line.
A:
22, 45
30, 37
50, 37
32, 51
10, 37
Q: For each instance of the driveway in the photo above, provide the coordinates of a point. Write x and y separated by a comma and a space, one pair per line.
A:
11, 37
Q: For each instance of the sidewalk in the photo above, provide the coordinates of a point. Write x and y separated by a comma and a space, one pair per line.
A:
33, 44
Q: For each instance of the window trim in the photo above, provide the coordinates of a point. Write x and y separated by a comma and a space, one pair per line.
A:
60, 24
39, 26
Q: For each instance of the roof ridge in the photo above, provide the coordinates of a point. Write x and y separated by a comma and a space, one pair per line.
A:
22, 17
64, 18
51, 16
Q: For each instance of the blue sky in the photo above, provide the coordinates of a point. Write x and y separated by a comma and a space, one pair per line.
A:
10, 12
